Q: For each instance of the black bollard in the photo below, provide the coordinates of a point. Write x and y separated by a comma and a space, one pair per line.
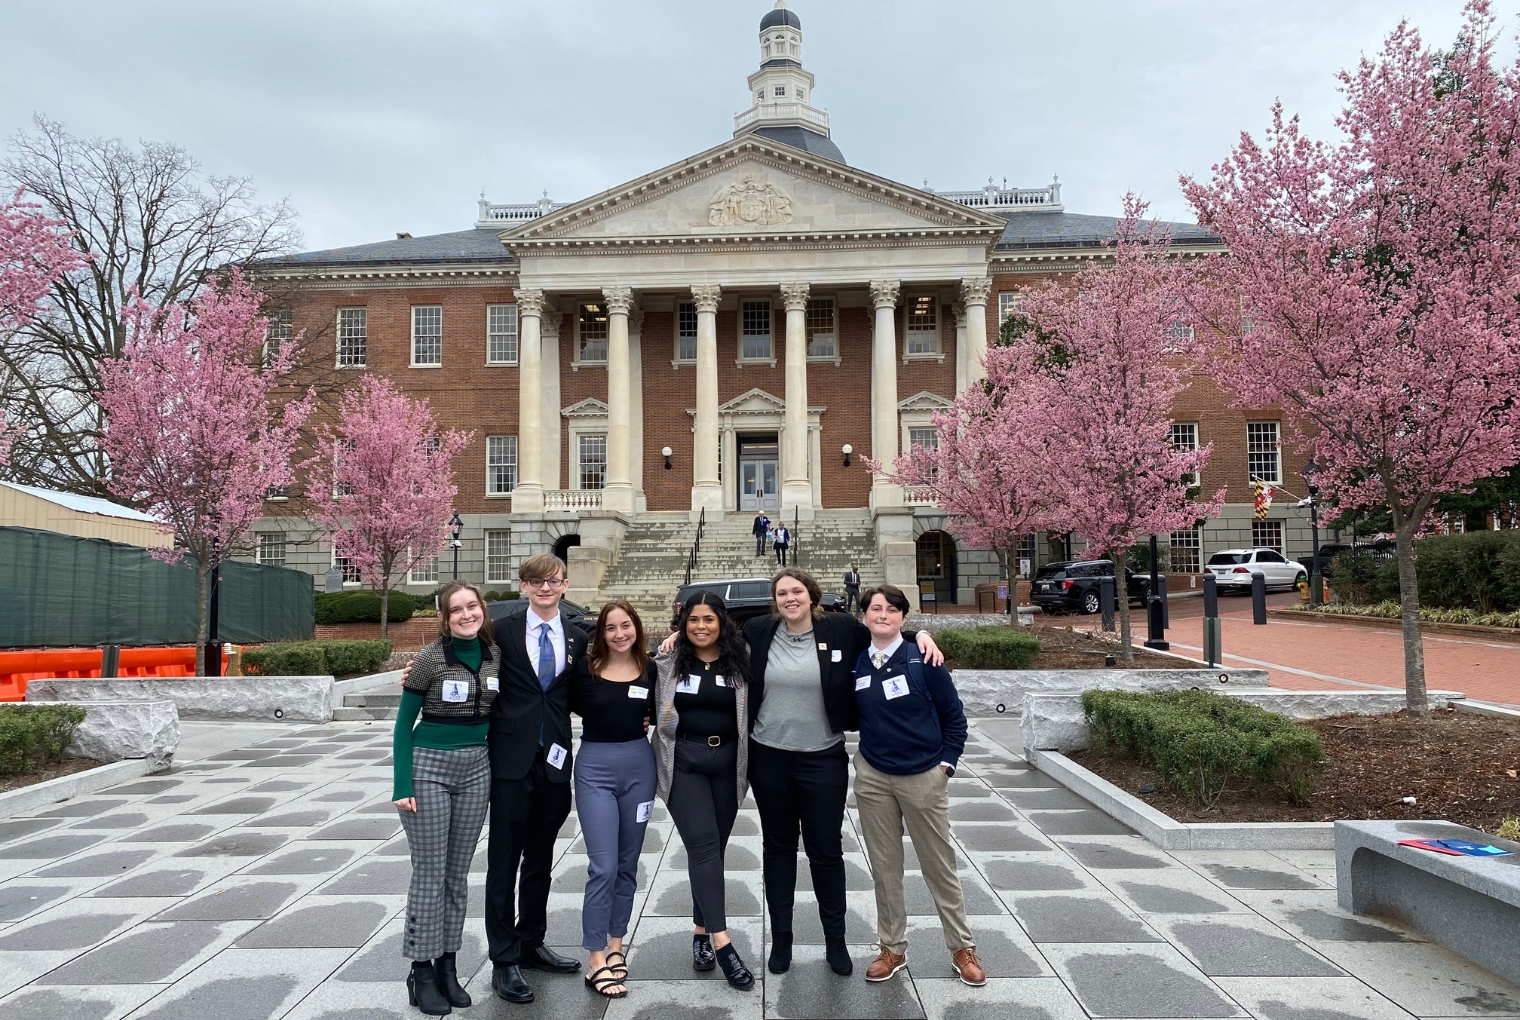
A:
1210, 597
110, 661
1166, 607
1106, 601
1213, 631
1258, 598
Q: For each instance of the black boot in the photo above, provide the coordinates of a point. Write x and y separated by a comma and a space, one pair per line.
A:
781, 953
733, 968
838, 955
448, 981
422, 989
702, 958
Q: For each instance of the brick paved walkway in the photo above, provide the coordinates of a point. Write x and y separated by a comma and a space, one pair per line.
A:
266, 879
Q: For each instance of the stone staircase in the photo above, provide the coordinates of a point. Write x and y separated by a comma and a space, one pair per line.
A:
652, 561
375, 703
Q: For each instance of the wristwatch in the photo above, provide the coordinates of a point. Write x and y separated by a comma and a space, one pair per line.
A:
949, 769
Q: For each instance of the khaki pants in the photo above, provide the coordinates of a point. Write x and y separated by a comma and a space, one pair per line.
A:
886, 803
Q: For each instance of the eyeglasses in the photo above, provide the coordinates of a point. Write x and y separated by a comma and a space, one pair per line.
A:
544, 582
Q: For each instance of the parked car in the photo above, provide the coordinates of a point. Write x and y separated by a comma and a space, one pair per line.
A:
574, 613
1234, 568
745, 597
1380, 549
1073, 586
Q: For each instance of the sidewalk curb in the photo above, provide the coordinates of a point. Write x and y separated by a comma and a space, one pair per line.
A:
40, 795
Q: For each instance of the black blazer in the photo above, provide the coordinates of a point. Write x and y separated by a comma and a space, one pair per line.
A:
521, 705
834, 632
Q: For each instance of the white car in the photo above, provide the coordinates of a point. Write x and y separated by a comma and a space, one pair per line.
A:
1234, 568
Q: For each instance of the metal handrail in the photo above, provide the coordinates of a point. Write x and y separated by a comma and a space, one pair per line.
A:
796, 550
696, 546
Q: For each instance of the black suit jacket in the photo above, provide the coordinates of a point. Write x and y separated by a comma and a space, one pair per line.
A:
835, 633
522, 705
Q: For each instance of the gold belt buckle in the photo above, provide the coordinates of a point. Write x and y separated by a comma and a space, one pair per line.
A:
714, 741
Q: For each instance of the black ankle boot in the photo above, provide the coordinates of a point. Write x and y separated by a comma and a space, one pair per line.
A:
838, 955
781, 953
422, 989
448, 981
702, 958
733, 968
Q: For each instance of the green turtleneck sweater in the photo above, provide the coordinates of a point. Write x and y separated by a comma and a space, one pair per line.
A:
440, 736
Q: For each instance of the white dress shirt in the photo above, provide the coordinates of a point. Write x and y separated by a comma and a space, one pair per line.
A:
556, 637
887, 652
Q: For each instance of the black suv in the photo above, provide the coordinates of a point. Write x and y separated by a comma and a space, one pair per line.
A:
1380, 549
574, 613
745, 597
1072, 586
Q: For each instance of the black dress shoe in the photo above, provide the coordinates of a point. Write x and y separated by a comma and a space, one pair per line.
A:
448, 982
507, 982
423, 992
544, 958
702, 958
734, 970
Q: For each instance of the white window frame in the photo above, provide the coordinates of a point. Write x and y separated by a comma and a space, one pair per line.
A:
277, 494
343, 443
911, 336
769, 359
578, 469
346, 567
1179, 336
501, 455
498, 548
1258, 446
426, 317
1185, 437
778, 91
578, 355
1269, 527
279, 330
833, 355
1190, 539
677, 360
357, 355
1008, 303
502, 326
428, 574
266, 540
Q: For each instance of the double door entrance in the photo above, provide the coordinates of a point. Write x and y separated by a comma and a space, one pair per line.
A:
759, 476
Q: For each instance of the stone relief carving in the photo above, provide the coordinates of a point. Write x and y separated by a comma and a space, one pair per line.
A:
752, 201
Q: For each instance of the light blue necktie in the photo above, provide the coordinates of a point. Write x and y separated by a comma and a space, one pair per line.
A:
546, 662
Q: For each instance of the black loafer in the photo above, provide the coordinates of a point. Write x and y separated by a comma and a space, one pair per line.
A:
508, 983
702, 956
544, 958
734, 970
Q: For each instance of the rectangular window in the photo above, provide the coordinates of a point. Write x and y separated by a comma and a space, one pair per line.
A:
1026, 550
1185, 437
279, 331
686, 331
923, 324
427, 336
501, 465
277, 492
1179, 336
350, 572
341, 488
755, 342
499, 556
271, 549
593, 461
923, 439
593, 327
1008, 303
1187, 547
423, 573
1267, 535
353, 337
501, 334
820, 328
780, 90
1262, 457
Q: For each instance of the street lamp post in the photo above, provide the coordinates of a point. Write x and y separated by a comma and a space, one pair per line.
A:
458, 526
1316, 583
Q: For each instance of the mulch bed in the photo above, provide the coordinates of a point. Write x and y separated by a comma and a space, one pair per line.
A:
51, 770
1461, 767
1065, 648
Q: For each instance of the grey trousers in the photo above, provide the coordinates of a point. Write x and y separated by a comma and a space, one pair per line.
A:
614, 784
453, 791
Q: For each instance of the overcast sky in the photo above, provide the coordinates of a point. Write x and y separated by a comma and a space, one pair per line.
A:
378, 116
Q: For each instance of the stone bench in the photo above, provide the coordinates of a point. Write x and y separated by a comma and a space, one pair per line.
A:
1003, 691
1470, 905
271, 698
118, 730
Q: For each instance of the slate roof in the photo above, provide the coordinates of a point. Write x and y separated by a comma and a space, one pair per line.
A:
807, 141
478, 245
1030, 230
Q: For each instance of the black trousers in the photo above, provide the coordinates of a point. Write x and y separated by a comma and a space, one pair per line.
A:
526, 815
704, 800
760, 545
851, 598
781, 555
802, 792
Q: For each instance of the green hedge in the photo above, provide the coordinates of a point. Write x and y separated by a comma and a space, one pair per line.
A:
316, 658
1198, 741
1479, 570
33, 734
502, 596
361, 607
1391, 611
989, 647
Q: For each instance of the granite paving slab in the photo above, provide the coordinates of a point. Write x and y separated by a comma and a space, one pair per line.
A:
1139, 981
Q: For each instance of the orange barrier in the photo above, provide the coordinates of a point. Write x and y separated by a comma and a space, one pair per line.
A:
18, 667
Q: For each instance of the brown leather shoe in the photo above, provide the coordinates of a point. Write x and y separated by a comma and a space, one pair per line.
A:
885, 965
967, 967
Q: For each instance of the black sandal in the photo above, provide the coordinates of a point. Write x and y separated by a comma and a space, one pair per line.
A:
600, 985
618, 966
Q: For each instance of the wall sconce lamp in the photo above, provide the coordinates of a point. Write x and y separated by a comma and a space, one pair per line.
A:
847, 450
667, 452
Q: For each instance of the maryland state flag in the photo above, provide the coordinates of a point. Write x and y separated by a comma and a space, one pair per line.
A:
1263, 498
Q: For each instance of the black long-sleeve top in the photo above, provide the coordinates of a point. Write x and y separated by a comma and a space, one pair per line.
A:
611, 711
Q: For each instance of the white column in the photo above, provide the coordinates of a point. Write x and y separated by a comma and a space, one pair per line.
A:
619, 492
974, 293
884, 390
706, 492
960, 346
548, 412
636, 405
528, 497
796, 489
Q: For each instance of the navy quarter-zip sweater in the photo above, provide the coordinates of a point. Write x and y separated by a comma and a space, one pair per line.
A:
913, 733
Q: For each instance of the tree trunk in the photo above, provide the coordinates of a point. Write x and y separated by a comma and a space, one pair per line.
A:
385, 612
1409, 611
1006, 555
1121, 606
202, 606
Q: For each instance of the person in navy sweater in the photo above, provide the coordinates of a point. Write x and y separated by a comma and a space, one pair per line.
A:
912, 733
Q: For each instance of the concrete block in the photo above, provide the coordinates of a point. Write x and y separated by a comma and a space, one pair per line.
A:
289, 698
118, 730
984, 690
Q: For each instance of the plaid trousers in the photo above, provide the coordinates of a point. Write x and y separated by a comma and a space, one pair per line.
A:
453, 791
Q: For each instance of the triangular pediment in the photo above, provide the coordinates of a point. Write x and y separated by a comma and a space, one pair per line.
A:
755, 401
751, 188
923, 400
587, 408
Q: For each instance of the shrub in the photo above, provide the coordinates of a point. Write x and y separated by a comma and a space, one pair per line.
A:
989, 647
361, 607
346, 658
33, 734
1198, 741
1363, 579
316, 658
502, 596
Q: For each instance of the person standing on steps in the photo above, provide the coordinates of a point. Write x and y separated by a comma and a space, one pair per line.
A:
702, 759
783, 542
852, 589
912, 733
441, 783
612, 692
761, 530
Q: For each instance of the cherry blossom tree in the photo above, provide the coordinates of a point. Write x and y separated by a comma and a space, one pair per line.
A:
191, 431
1098, 361
383, 489
1372, 286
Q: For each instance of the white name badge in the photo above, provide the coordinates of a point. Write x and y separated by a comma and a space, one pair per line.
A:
837, 656
493, 683
896, 687
556, 756
456, 690
862, 682
645, 810
720, 681
689, 685
638, 693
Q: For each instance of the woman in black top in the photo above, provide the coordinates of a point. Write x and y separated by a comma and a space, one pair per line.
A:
612, 692
702, 708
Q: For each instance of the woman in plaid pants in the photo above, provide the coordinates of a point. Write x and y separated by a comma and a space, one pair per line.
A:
442, 788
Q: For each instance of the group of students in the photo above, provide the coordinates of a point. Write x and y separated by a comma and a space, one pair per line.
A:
774, 534
718, 712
